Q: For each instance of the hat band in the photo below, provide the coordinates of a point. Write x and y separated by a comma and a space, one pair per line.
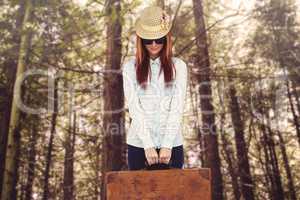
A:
151, 28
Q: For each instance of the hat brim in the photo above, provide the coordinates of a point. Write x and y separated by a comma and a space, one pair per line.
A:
146, 34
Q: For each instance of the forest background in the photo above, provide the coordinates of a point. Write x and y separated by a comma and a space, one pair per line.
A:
60, 64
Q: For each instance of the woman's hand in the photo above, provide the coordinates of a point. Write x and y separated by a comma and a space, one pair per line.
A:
165, 155
151, 155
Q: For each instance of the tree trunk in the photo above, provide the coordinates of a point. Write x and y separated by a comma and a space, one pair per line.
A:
97, 185
31, 161
296, 95
68, 183
194, 103
275, 168
50, 144
114, 137
207, 109
11, 68
10, 173
269, 175
228, 152
5, 120
269, 147
271, 165
261, 150
295, 117
292, 191
241, 146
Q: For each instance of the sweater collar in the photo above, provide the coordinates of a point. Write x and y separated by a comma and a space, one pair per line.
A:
155, 61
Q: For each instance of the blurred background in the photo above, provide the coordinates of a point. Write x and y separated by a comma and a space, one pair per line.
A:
63, 116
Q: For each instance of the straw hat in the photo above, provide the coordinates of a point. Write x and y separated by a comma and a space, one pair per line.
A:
153, 23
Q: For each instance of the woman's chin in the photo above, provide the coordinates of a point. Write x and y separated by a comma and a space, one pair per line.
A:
156, 52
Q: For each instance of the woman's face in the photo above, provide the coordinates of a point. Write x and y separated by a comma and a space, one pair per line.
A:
154, 49
154, 46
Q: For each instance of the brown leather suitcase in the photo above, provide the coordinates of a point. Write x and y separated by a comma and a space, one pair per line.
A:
171, 184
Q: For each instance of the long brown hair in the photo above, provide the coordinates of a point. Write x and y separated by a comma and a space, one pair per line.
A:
143, 62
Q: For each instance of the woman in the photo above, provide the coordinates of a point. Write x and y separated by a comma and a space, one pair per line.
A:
154, 85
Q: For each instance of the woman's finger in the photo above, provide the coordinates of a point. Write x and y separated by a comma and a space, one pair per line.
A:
150, 161
155, 158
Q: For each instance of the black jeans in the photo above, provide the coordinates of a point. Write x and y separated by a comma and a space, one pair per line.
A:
137, 158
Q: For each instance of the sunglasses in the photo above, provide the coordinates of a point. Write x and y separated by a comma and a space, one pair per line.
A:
157, 41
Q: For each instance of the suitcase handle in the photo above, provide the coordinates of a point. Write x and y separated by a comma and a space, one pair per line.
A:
158, 166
